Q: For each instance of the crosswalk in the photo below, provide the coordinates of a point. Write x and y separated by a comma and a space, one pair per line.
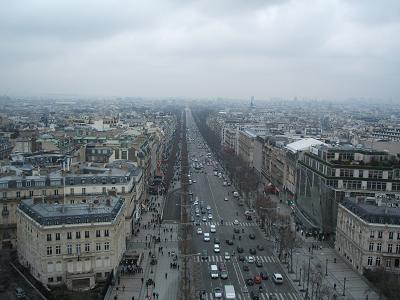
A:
241, 224
263, 296
220, 258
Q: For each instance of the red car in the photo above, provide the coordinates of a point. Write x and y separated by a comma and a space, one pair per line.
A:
257, 279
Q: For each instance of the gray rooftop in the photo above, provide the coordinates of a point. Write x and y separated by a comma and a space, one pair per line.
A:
103, 209
373, 213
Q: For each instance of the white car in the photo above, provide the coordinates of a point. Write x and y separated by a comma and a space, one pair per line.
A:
227, 256
226, 199
236, 222
208, 207
218, 293
210, 216
250, 259
213, 228
194, 180
225, 184
206, 236
204, 219
199, 231
277, 278
216, 248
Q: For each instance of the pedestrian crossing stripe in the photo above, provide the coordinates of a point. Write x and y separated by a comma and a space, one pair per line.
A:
244, 224
220, 258
263, 296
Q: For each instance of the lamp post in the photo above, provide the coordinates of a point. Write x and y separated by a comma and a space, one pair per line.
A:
326, 267
344, 286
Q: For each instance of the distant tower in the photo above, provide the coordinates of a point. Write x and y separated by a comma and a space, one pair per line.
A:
252, 102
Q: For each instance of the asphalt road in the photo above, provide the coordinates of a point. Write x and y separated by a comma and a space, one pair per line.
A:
209, 188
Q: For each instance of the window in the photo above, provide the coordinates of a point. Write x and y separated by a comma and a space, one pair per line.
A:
388, 263
4, 194
371, 246
98, 247
69, 235
59, 278
106, 232
44, 192
78, 234
50, 279
107, 246
87, 234
49, 237
87, 247
104, 190
123, 190
391, 233
397, 248
372, 234
380, 234
369, 262
57, 236
78, 249
83, 191
18, 194
28, 183
72, 191
58, 249
396, 262
49, 250
390, 248
97, 233
30, 193
379, 247
378, 261
69, 249
398, 235
55, 192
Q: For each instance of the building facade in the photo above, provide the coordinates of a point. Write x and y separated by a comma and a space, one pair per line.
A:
76, 245
368, 233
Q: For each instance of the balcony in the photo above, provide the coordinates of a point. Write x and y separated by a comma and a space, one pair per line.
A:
80, 256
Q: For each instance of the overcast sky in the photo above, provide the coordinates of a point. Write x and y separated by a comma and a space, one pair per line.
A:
216, 48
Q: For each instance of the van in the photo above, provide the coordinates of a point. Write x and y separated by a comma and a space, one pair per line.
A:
229, 292
214, 271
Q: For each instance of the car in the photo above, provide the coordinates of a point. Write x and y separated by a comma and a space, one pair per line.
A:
249, 218
249, 281
216, 240
229, 242
246, 268
241, 258
264, 275
257, 279
204, 219
208, 207
199, 231
250, 259
218, 293
190, 193
226, 199
236, 230
224, 274
235, 222
260, 247
192, 219
197, 223
239, 249
227, 256
277, 278
210, 216
254, 295
252, 251
213, 228
216, 248
225, 183
20, 293
221, 266
259, 263
194, 181
229, 184
249, 212
206, 236
252, 236
197, 214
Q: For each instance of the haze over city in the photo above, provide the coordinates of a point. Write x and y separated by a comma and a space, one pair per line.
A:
324, 49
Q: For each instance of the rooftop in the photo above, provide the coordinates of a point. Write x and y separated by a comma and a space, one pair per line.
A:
371, 212
303, 144
103, 209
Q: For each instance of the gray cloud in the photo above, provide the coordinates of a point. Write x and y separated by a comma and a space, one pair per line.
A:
323, 48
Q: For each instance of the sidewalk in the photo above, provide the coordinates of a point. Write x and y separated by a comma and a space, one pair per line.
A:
166, 288
355, 287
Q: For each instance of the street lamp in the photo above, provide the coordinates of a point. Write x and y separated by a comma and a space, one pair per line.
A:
344, 286
326, 267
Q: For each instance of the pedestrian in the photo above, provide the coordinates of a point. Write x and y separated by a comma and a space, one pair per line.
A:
178, 267
154, 295
142, 280
157, 295
171, 236
166, 275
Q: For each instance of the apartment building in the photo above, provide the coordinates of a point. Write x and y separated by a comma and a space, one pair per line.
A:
72, 244
329, 173
246, 140
81, 184
368, 233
